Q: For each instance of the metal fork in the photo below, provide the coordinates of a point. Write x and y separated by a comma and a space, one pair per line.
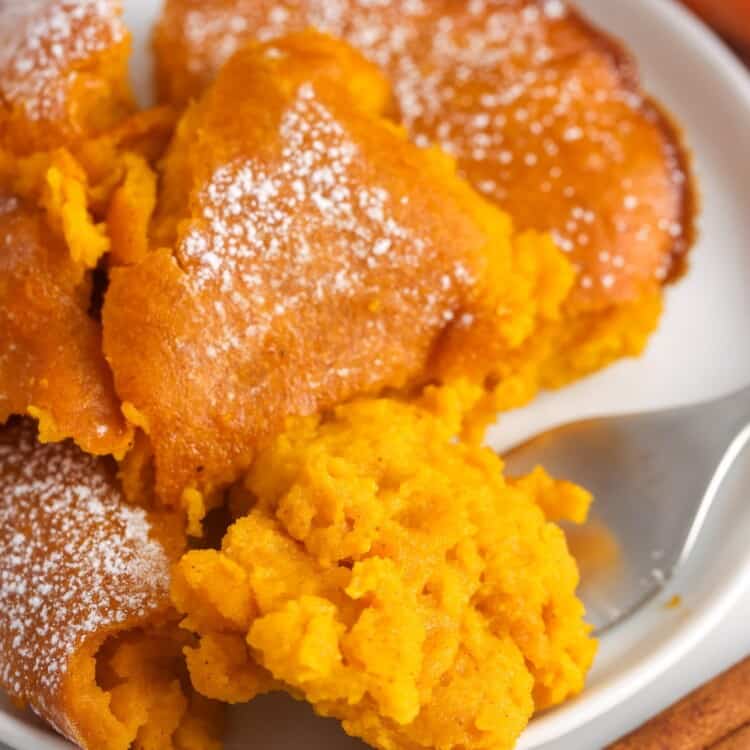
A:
654, 477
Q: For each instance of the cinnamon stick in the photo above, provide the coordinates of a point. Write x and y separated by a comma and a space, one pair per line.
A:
714, 717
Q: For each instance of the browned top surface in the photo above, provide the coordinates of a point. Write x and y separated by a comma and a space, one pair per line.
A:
319, 255
543, 112
50, 348
75, 563
62, 70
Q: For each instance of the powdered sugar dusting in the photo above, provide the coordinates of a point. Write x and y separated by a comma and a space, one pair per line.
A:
429, 49
520, 93
265, 226
74, 561
9, 204
43, 41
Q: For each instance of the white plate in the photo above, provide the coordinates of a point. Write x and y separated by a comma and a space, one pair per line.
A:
702, 350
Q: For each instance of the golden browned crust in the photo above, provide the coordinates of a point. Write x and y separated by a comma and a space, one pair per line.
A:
677, 154
63, 71
544, 112
76, 566
51, 361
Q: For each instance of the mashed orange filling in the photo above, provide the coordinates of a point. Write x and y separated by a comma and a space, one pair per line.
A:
565, 348
132, 693
395, 579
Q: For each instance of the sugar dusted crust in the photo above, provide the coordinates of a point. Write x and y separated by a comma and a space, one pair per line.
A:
71, 155
544, 113
88, 639
62, 70
76, 565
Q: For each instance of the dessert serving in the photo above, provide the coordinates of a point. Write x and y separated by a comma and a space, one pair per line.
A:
250, 341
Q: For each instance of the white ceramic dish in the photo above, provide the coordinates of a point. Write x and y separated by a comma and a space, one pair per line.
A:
702, 350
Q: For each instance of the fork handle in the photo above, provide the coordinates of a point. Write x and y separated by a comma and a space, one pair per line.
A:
716, 716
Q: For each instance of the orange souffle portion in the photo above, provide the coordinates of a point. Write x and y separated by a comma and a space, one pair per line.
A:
545, 116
